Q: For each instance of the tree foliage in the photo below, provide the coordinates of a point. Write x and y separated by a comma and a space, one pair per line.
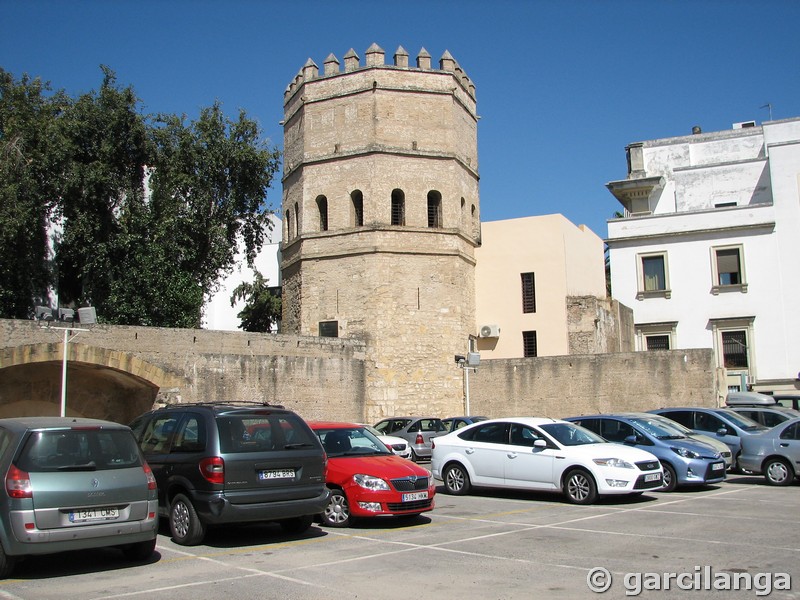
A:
151, 210
262, 307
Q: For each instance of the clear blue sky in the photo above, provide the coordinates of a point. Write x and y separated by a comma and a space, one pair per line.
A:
562, 86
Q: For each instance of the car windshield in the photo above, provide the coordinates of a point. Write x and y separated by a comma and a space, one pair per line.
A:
685, 431
79, 450
569, 434
657, 428
743, 422
350, 441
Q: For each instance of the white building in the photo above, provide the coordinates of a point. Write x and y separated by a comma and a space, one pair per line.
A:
708, 251
218, 313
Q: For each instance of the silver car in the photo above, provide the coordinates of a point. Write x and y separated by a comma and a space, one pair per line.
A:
418, 431
73, 484
775, 453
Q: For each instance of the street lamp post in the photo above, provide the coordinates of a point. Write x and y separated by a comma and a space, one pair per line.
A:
67, 340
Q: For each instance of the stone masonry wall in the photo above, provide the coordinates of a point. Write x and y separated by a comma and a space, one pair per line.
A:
562, 386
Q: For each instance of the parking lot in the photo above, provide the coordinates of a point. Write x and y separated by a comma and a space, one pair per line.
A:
488, 545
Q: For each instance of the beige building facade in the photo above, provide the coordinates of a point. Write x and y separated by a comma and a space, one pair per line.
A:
541, 291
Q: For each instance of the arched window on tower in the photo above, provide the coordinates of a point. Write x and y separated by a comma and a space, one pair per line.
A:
322, 205
434, 209
297, 227
358, 208
289, 225
398, 207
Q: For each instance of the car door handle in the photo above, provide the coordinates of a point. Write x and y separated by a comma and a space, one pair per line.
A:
469, 450
784, 445
512, 455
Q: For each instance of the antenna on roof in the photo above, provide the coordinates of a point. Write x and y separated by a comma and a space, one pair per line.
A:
769, 106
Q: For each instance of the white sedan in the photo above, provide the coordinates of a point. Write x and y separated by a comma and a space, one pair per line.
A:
396, 444
541, 454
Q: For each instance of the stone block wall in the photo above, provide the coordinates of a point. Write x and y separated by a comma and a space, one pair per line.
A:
562, 386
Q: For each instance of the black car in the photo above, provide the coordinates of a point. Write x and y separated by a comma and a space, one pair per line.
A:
218, 463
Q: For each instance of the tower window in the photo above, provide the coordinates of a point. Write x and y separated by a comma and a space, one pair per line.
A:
329, 328
296, 219
322, 205
358, 208
398, 207
434, 209
528, 293
289, 228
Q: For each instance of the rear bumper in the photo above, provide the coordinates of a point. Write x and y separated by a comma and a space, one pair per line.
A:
215, 508
24, 539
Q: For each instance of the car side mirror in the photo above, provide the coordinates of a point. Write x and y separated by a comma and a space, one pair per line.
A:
722, 431
630, 440
539, 444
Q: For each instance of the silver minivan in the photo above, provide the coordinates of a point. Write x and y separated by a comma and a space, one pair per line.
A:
73, 484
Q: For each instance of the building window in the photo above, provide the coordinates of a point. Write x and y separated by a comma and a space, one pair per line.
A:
529, 344
734, 349
289, 225
728, 269
653, 276
398, 207
528, 293
322, 205
296, 218
657, 342
434, 209
329, 328
656, 336
358, 208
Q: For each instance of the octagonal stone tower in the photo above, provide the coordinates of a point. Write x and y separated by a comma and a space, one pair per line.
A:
381, 219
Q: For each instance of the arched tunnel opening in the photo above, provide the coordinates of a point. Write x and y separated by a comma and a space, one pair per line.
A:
94, 391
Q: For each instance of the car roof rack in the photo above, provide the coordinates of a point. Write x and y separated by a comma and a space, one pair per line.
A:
213, 403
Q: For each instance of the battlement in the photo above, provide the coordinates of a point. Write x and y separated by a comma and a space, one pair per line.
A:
375, 58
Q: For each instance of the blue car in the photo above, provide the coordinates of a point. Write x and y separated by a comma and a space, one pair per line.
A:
685, 461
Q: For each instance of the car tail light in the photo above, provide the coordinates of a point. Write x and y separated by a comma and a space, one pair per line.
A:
419, 441
18, 483
388, 447
213, 469
433, 444
148, 472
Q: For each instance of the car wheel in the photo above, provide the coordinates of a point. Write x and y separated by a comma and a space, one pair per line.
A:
184, 524
297, 524
7, 564
456, 480
670, 478
580, 487
140, 550
778, 472
337, 513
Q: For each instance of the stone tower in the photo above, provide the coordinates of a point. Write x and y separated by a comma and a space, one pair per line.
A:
381, 219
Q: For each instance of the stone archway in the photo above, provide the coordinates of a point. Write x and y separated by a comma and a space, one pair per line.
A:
101, 384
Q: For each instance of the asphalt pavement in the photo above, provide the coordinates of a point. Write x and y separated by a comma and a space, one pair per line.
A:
488, 545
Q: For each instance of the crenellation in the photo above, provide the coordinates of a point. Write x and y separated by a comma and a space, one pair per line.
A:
351, 61
447, 62
424, 60
401, 57
375, 56
331, 65
310, 70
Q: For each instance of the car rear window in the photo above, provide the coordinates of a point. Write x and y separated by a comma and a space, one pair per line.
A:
79, 450
258, 433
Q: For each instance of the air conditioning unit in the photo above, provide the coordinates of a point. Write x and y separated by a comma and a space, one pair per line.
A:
490, 331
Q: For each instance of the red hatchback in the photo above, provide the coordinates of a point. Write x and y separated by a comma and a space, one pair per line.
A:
366, 479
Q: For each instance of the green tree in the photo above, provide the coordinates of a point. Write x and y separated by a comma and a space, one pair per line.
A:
151, 212
32, 158
262, 306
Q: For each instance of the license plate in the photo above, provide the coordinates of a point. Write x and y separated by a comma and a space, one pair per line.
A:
95, 514
415, 496
652, 477
277, 474
717, 466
